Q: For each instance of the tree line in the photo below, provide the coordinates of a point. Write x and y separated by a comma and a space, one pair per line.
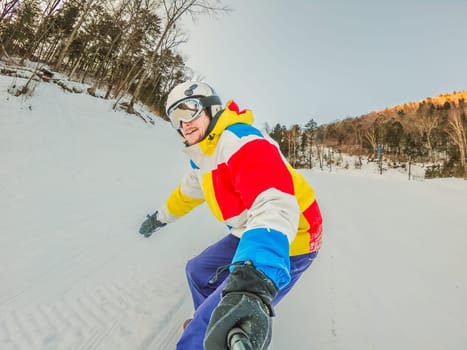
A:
432, 132
122, 46
129, 47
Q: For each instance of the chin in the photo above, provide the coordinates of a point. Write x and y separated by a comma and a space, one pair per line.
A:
194, 139
191, 141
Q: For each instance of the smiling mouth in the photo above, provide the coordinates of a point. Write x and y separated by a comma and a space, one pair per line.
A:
189, 132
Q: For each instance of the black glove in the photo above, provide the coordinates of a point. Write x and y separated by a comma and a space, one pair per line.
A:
246, 304
151, 225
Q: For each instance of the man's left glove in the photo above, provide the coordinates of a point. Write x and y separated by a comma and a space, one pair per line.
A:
246, 304
151, 225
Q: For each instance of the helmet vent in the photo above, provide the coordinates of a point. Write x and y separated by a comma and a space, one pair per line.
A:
189, 91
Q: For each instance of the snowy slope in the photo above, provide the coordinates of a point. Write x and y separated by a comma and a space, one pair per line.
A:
77, 179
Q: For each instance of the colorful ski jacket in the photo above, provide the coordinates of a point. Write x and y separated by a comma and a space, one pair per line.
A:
249, 186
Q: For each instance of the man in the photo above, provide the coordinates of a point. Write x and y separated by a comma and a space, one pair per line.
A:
274, 220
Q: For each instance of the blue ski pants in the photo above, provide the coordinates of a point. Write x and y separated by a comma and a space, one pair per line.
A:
207, 273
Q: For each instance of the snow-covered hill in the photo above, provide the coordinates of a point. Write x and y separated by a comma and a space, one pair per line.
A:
77, 179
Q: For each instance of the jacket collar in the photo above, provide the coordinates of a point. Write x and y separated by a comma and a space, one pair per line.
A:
230, 116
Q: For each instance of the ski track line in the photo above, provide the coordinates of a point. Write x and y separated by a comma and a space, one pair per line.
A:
56, 326
76, 314
85, 319
5, 337
88, 308
73, 262
167, 330
128, 295
89, 339
58, 265
19, 338
51, 329
113, 298
98, 337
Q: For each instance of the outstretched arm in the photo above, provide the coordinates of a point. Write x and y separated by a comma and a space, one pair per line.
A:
181, 201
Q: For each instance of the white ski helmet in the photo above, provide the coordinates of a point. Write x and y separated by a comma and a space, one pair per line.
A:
192, 90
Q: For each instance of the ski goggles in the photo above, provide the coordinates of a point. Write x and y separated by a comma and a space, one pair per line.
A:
185, 111
189, 109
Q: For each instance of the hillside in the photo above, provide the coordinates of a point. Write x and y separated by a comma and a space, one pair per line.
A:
431, 132
77, 179
439, 100
410, 114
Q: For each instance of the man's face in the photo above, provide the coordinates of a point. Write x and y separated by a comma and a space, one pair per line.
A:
195, 130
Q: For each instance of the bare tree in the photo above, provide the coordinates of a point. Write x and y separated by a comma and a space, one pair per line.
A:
44, 27
457, 134
371, 137
428, 121
85, 13
125, 73
6, 7
173, 11
359, 137
100, 72
427, 124
292, 140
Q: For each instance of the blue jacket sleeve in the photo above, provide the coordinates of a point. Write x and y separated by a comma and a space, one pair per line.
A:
268, 250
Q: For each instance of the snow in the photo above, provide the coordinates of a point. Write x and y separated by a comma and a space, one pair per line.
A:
77, 179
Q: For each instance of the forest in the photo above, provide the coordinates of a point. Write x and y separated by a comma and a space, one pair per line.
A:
122, 46
129, 48
431, 132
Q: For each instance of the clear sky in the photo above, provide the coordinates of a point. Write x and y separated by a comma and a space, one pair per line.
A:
290, 61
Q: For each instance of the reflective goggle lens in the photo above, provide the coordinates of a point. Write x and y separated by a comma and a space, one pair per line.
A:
186, 111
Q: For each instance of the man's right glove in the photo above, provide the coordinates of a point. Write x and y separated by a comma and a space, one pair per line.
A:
151, 225
246, 304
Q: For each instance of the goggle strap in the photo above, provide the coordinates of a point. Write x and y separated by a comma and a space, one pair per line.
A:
210, 100
213, 122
